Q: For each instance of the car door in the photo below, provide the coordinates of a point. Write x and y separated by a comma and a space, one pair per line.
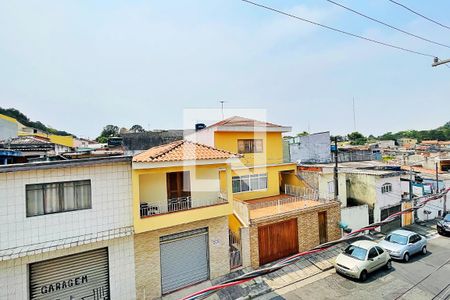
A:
414, 245
373, 259
383, 256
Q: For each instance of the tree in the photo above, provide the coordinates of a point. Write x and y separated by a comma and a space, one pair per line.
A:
137, 128
304, 133
356, 138
107, 132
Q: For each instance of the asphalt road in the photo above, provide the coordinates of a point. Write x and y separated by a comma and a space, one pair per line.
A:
424, 277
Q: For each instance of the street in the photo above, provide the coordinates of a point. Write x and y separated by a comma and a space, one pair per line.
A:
424, 277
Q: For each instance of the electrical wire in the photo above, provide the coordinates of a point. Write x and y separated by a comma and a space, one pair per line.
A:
388, 25
419, 14
292, 259
338, 30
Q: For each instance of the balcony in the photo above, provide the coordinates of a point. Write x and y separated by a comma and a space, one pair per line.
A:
298, 199
179, 204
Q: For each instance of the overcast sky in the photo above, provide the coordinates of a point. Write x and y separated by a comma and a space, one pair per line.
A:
79, 65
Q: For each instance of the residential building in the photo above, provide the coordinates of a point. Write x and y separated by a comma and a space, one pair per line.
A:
370, 188
136, 142
34, 147
311, 148
181, 210
269, 201
386, 144
8, 127
66, 230
407, 142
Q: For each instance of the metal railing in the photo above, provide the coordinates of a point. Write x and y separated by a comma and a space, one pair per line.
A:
235, 250
178, 204
302, 192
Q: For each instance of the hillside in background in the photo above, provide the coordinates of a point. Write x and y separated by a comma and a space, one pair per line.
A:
441, 133
23, 119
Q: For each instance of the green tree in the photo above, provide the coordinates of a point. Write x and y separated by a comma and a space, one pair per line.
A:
356, 138
137, 128
107, 132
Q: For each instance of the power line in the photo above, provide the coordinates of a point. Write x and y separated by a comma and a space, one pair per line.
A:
419, 14
337, 30
386, 24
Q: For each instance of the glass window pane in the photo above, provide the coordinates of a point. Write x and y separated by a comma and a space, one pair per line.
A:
254, 182
83, 194
236, 185
69, 196
35, 200
258, 145
51, 200
263, 181
245, 183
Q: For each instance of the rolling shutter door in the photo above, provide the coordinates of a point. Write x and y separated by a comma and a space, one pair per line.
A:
78, 276
184, 259
397, 223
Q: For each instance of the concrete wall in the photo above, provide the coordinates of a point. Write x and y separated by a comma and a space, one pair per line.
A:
147, 254
361, 187
8, 129
355, 216
14, 275
326, 187
308, 228
111, 204
313, 148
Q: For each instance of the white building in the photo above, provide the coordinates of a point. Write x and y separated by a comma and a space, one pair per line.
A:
66, 230
311, 148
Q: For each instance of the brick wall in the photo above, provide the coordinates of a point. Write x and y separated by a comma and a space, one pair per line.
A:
147, 254
308, 228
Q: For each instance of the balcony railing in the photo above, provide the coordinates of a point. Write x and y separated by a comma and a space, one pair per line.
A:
179, 204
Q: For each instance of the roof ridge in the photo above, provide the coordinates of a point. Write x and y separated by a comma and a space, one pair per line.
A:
212, 148
175, 145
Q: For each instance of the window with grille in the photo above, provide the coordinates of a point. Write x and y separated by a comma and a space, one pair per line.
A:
48, 198
250, 146
386, 188
249, 183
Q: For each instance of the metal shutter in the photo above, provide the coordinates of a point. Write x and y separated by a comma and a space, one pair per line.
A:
78, 276
184, 259
397, 223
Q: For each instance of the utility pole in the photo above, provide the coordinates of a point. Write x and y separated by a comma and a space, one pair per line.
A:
336, 181
437, 62
413, 203
437, 176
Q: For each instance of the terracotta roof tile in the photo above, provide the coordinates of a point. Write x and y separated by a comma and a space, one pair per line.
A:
241, 121
182, 150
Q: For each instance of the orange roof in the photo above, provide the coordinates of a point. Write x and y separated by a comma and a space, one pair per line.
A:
182, 150
430, 142
241, 121
420, 169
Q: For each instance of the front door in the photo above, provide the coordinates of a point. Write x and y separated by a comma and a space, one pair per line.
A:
323, 237
277, 240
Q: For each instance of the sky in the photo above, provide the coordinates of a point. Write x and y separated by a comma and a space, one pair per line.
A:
80, 65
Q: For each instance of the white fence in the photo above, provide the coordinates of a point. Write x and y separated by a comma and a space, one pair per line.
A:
355, 217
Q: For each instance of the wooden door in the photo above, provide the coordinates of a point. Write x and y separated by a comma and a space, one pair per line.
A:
277, 240
323, 236
178, 185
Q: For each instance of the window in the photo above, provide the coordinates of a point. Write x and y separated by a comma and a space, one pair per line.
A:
48, 198
249, 183
386, 188
372, 253
250, 146
331, 187
356, 252
380, 250
414, 238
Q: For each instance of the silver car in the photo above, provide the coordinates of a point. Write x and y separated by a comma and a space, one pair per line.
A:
401, 244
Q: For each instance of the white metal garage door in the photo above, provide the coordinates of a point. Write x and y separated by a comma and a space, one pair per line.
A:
78, 276
184, 259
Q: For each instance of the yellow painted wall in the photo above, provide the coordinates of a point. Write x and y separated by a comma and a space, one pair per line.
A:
7, 118
272, 146
65, 140
149, 185
234, 224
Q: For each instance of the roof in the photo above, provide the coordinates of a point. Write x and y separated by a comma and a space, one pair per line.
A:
237, 122
182, 150
402, 232
364, 244
63, 163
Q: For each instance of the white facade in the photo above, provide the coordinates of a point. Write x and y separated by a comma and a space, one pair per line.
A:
108, 223
312, 148
355, 217
391, 198
8, 129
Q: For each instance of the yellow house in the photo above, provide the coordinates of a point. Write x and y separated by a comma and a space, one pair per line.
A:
270, 203
180, 216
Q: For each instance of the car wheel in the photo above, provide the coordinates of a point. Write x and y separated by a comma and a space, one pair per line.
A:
406, 257
439, 230
389, 265
424, 250
363, 276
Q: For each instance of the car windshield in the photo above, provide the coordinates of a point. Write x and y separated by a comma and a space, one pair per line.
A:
356, 252
447, 218
397, 238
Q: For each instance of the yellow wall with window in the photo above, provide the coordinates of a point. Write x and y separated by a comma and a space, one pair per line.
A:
272, 146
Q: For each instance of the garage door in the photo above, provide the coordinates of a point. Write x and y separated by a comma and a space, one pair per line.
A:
184, 259
79, 276
397, 223
277, 240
